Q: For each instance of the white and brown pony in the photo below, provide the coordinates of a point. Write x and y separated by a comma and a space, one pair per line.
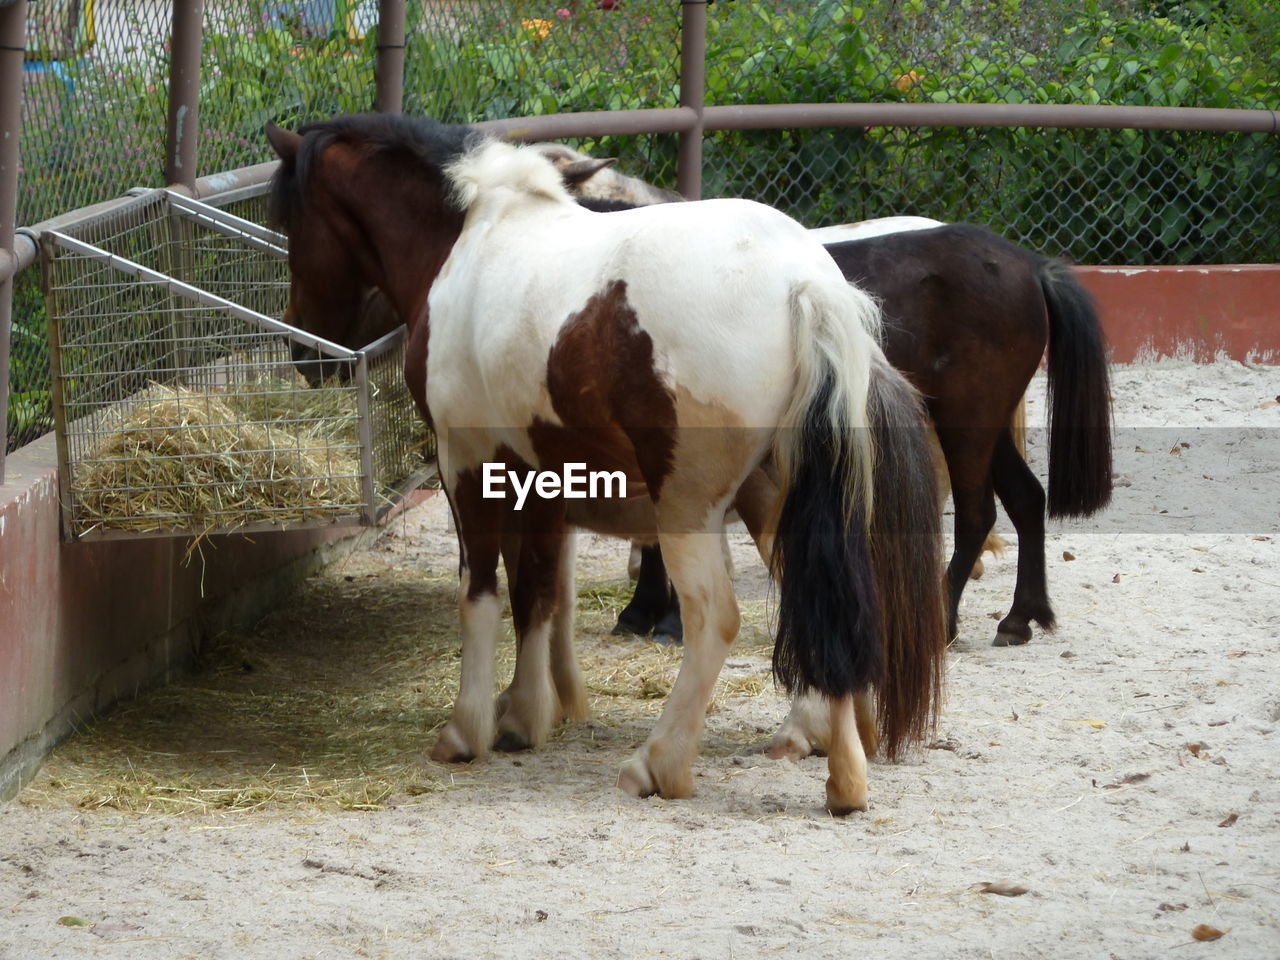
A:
682, 344
968, 317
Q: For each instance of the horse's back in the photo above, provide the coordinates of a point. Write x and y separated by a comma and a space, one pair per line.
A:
960, 302
865, 229
709, 284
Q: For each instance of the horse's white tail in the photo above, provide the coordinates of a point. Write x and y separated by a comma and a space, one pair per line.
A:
861, 602
834, 334
829, 623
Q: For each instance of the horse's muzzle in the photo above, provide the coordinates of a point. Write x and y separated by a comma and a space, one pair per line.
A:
314, 368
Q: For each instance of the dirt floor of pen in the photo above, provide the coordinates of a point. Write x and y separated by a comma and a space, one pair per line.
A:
1110, 789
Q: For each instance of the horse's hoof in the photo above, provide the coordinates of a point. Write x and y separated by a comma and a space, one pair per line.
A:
632, 626
844, 800
1012, 635
670, 630
634, 779
509, 741
791, 747
651, 771
450, 748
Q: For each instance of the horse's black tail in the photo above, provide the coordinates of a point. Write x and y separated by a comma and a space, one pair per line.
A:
907, 555
856, 548
1079, 397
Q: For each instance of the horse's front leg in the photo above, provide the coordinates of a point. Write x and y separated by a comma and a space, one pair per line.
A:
531, 703
566, 674
469, 732
664, 765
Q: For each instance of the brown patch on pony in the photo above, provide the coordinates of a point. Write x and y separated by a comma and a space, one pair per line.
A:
480, 524
616, 411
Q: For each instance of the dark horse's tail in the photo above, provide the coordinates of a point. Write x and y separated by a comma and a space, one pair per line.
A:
857, 547
1079, 397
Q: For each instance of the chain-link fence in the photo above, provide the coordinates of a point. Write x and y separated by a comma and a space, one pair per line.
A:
95, 100
1095, 196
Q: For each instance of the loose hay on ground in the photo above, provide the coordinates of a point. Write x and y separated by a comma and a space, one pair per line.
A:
334, 703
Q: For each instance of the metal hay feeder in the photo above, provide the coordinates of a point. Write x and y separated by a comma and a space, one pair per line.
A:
179, 408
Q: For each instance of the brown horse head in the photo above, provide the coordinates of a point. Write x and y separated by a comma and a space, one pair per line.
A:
348, 233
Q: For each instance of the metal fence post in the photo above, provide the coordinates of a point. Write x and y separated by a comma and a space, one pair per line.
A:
389, 73
184, 94
13, 21
693, 72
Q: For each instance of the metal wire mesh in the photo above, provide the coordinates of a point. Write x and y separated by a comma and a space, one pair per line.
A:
400, 443
180, 413
95, 93
1093, 196
94, 106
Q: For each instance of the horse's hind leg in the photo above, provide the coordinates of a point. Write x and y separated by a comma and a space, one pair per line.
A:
864, 709
843, 728
1023, 499
992, 543
807, 729
664, 765
846, 761
968, 454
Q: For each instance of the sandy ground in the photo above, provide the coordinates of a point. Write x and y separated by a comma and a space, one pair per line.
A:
1125, 771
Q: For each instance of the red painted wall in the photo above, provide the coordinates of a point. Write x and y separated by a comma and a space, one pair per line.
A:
1194, 312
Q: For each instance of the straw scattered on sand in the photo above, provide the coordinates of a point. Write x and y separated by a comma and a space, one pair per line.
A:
336, 700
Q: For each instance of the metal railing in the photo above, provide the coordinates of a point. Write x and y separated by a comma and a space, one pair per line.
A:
608, 78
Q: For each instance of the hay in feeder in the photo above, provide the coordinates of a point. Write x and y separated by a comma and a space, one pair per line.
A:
279, 453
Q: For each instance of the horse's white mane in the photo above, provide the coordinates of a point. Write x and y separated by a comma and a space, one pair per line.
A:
495, 165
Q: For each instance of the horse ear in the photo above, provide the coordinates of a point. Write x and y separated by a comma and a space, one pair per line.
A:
284, 142
579, 171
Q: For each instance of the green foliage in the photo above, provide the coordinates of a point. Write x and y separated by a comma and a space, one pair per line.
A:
275, 70
522, 59
30, 412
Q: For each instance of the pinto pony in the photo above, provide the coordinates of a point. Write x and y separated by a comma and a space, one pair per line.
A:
682, 344
968, 316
